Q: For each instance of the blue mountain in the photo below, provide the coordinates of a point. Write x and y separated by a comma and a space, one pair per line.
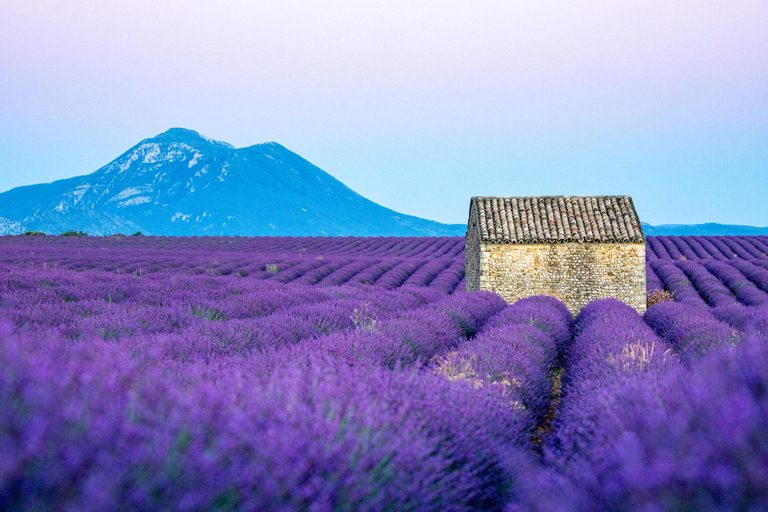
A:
180, 183
707, 229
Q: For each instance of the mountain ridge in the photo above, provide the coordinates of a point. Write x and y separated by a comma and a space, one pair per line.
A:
182, 183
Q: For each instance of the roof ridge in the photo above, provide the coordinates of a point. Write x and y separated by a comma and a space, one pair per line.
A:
557, 219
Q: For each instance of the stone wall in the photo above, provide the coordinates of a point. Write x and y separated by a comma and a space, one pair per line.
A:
472, 258
575, 273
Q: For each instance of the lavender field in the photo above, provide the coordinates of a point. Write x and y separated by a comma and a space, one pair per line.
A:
151, 373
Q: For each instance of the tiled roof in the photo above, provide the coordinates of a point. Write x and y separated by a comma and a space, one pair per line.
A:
557, 219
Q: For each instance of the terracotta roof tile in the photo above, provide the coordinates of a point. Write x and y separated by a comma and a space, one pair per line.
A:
548, 219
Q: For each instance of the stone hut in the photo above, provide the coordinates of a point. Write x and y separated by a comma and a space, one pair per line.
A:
575, 248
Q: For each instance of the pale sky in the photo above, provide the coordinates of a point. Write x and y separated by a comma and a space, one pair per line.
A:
416, 105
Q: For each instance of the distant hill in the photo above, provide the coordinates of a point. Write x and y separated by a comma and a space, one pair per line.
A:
708, 229
181, 183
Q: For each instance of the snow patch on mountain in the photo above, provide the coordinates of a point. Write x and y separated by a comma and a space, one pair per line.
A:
193, 161
224, 172
125, 164
151, 153
127, 192
10, 227
173, 152
134, 201
79, 192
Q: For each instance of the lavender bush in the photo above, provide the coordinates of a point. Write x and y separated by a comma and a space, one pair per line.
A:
517, 349
677, 282
612, 350
691, 332
117, 431
738, 284
223, 373
680, 440
709, 287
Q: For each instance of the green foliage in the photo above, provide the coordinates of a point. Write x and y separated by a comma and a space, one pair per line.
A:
212, 314
138, 233
34, 233
74, 233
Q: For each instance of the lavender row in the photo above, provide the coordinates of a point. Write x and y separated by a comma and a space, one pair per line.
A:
671, 439
721, 248
611, 341
658, 247
436, 451
709, 287
636, 430
288, 247
675, 281
543, 312
692, 440
749, 321
449, 445
692, 332
317, 271
192, 317
120, 431
755, 273
652, 281
517, 349
169, 252
743, 289
710, 282
320, 261
613, 351
410, 339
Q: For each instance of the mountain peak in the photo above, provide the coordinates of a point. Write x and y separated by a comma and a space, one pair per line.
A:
182, 183
187, 136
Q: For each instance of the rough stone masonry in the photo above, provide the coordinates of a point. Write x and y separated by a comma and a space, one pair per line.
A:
575, 248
